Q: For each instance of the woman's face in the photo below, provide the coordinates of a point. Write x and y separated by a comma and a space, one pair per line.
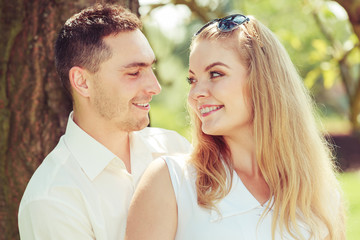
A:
218, 92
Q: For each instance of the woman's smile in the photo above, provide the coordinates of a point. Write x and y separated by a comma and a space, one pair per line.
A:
206, 110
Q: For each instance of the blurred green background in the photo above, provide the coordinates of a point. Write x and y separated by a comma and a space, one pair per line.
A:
319, 38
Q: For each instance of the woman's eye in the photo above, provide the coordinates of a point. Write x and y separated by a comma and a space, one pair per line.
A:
190, 80
214, 74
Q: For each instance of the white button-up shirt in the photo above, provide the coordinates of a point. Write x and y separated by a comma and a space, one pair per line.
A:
82, 190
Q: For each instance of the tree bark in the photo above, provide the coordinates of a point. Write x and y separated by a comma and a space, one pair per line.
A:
33, 106
352, 8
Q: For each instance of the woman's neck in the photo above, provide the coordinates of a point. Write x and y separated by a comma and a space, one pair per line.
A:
243, 155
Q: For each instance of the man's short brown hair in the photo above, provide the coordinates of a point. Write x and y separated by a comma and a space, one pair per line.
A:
80, 40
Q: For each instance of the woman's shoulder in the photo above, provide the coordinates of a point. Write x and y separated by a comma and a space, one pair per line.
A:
178, 161
174, 165
182, 172
153, 202
179, 164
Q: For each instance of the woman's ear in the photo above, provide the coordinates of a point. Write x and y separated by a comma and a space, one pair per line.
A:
78, 80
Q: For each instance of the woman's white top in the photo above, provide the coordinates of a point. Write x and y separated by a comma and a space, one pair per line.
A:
239, 211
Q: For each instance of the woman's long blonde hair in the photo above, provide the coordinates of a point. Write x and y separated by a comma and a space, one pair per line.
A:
291, 152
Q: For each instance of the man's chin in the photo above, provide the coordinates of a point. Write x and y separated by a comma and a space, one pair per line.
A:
142, 126
136, 126
145, 122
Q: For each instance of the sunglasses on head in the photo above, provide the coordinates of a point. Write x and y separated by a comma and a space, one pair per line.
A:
227, 24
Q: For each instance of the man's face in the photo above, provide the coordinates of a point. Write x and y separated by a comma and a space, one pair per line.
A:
124, 85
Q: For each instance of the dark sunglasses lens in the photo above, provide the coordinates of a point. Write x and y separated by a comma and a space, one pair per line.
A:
228, 24
239, 19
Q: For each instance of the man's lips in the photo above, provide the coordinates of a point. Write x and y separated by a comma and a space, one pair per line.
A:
206, 110
144, 106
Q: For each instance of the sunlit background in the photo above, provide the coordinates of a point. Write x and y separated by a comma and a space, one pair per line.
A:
318, 36
169, 28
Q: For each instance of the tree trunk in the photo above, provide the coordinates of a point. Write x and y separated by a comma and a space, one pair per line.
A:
33, 106
352, 8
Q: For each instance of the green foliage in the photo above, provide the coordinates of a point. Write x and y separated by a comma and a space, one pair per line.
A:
316, 35
164, 117
350, 183
168, 109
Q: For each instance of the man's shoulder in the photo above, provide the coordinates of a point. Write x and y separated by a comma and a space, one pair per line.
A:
161, 135
168, 140
53, 171
153, 131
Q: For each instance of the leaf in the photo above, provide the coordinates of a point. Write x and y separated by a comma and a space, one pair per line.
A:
330, 72
311, 77
320, 45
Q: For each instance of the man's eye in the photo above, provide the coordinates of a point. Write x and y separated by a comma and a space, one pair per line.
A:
214, 74
134, 74
190, 80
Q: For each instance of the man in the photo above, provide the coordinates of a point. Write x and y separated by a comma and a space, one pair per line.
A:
83, 188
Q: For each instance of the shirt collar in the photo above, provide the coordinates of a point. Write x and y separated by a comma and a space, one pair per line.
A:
238, 201
91, 155
146, 145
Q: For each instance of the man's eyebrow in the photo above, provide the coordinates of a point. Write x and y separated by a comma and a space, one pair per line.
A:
138, 64
216, 64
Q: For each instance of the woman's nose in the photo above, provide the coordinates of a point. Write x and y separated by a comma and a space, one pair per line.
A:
199, 90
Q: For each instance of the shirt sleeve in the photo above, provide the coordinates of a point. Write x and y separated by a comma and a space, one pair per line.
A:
51, 219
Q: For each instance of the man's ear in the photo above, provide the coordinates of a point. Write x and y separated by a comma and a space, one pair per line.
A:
78, 80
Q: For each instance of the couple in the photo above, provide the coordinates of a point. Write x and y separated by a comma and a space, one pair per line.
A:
259, 168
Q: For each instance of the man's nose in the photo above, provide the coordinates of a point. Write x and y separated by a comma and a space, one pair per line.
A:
153, 86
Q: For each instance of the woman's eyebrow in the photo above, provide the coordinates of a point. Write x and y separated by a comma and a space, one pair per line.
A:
216, 64
212, 65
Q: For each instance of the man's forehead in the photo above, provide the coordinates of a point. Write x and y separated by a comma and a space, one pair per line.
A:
131, 49
127, 39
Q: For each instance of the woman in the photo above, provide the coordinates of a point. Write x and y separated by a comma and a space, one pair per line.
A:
260, 168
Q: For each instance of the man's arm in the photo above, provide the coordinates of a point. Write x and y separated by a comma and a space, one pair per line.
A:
49, 219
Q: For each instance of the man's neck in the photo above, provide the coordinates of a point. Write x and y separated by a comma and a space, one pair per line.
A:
115, 140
